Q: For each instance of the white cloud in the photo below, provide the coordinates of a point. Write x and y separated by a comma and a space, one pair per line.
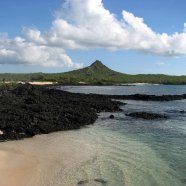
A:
34, 35
87, 24
81, 24
21, 51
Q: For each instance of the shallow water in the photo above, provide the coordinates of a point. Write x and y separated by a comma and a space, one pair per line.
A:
135, 151
117, 152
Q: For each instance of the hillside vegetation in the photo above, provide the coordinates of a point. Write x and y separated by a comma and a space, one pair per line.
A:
98, 74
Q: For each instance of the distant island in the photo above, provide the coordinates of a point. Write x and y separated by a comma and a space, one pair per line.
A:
95, 74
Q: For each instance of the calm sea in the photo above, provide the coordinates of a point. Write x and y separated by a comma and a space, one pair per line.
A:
136, 152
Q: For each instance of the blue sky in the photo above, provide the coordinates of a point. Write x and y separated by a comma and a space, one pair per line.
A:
161, 16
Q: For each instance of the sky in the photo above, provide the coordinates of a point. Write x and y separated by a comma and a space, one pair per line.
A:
129, 36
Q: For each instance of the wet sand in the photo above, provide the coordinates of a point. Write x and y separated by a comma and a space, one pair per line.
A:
40, 160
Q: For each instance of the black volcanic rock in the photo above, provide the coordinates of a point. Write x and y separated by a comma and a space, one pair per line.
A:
146, 115
182, 111
29, 110
111, 116
144, 97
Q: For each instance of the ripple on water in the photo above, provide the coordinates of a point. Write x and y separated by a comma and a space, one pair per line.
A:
119, 161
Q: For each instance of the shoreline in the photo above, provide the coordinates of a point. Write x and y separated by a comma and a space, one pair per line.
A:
55, 83
29, 110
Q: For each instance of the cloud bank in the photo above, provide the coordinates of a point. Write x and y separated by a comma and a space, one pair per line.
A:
81, 24
24, 52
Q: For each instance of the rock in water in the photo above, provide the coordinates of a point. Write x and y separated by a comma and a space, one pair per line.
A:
103, 182
182, 111
82, 182
146, 115
111, 117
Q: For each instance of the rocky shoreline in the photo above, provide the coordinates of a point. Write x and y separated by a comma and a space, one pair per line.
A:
146, 115
29, 110
143, 97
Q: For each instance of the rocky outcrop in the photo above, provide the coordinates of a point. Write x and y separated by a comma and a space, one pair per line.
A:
144, 97
29, 110
146, 115
111, 116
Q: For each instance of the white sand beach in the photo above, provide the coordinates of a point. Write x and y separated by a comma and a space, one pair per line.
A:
32, 82
41, 83
39, 160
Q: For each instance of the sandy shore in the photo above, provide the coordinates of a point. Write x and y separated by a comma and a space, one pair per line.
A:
42, 83
33, 82
40, 160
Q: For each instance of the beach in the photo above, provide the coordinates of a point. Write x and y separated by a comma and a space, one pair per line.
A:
37, 161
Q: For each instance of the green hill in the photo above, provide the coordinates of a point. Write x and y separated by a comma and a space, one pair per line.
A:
97, 73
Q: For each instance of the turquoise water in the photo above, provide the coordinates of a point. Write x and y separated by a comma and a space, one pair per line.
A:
136, 152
